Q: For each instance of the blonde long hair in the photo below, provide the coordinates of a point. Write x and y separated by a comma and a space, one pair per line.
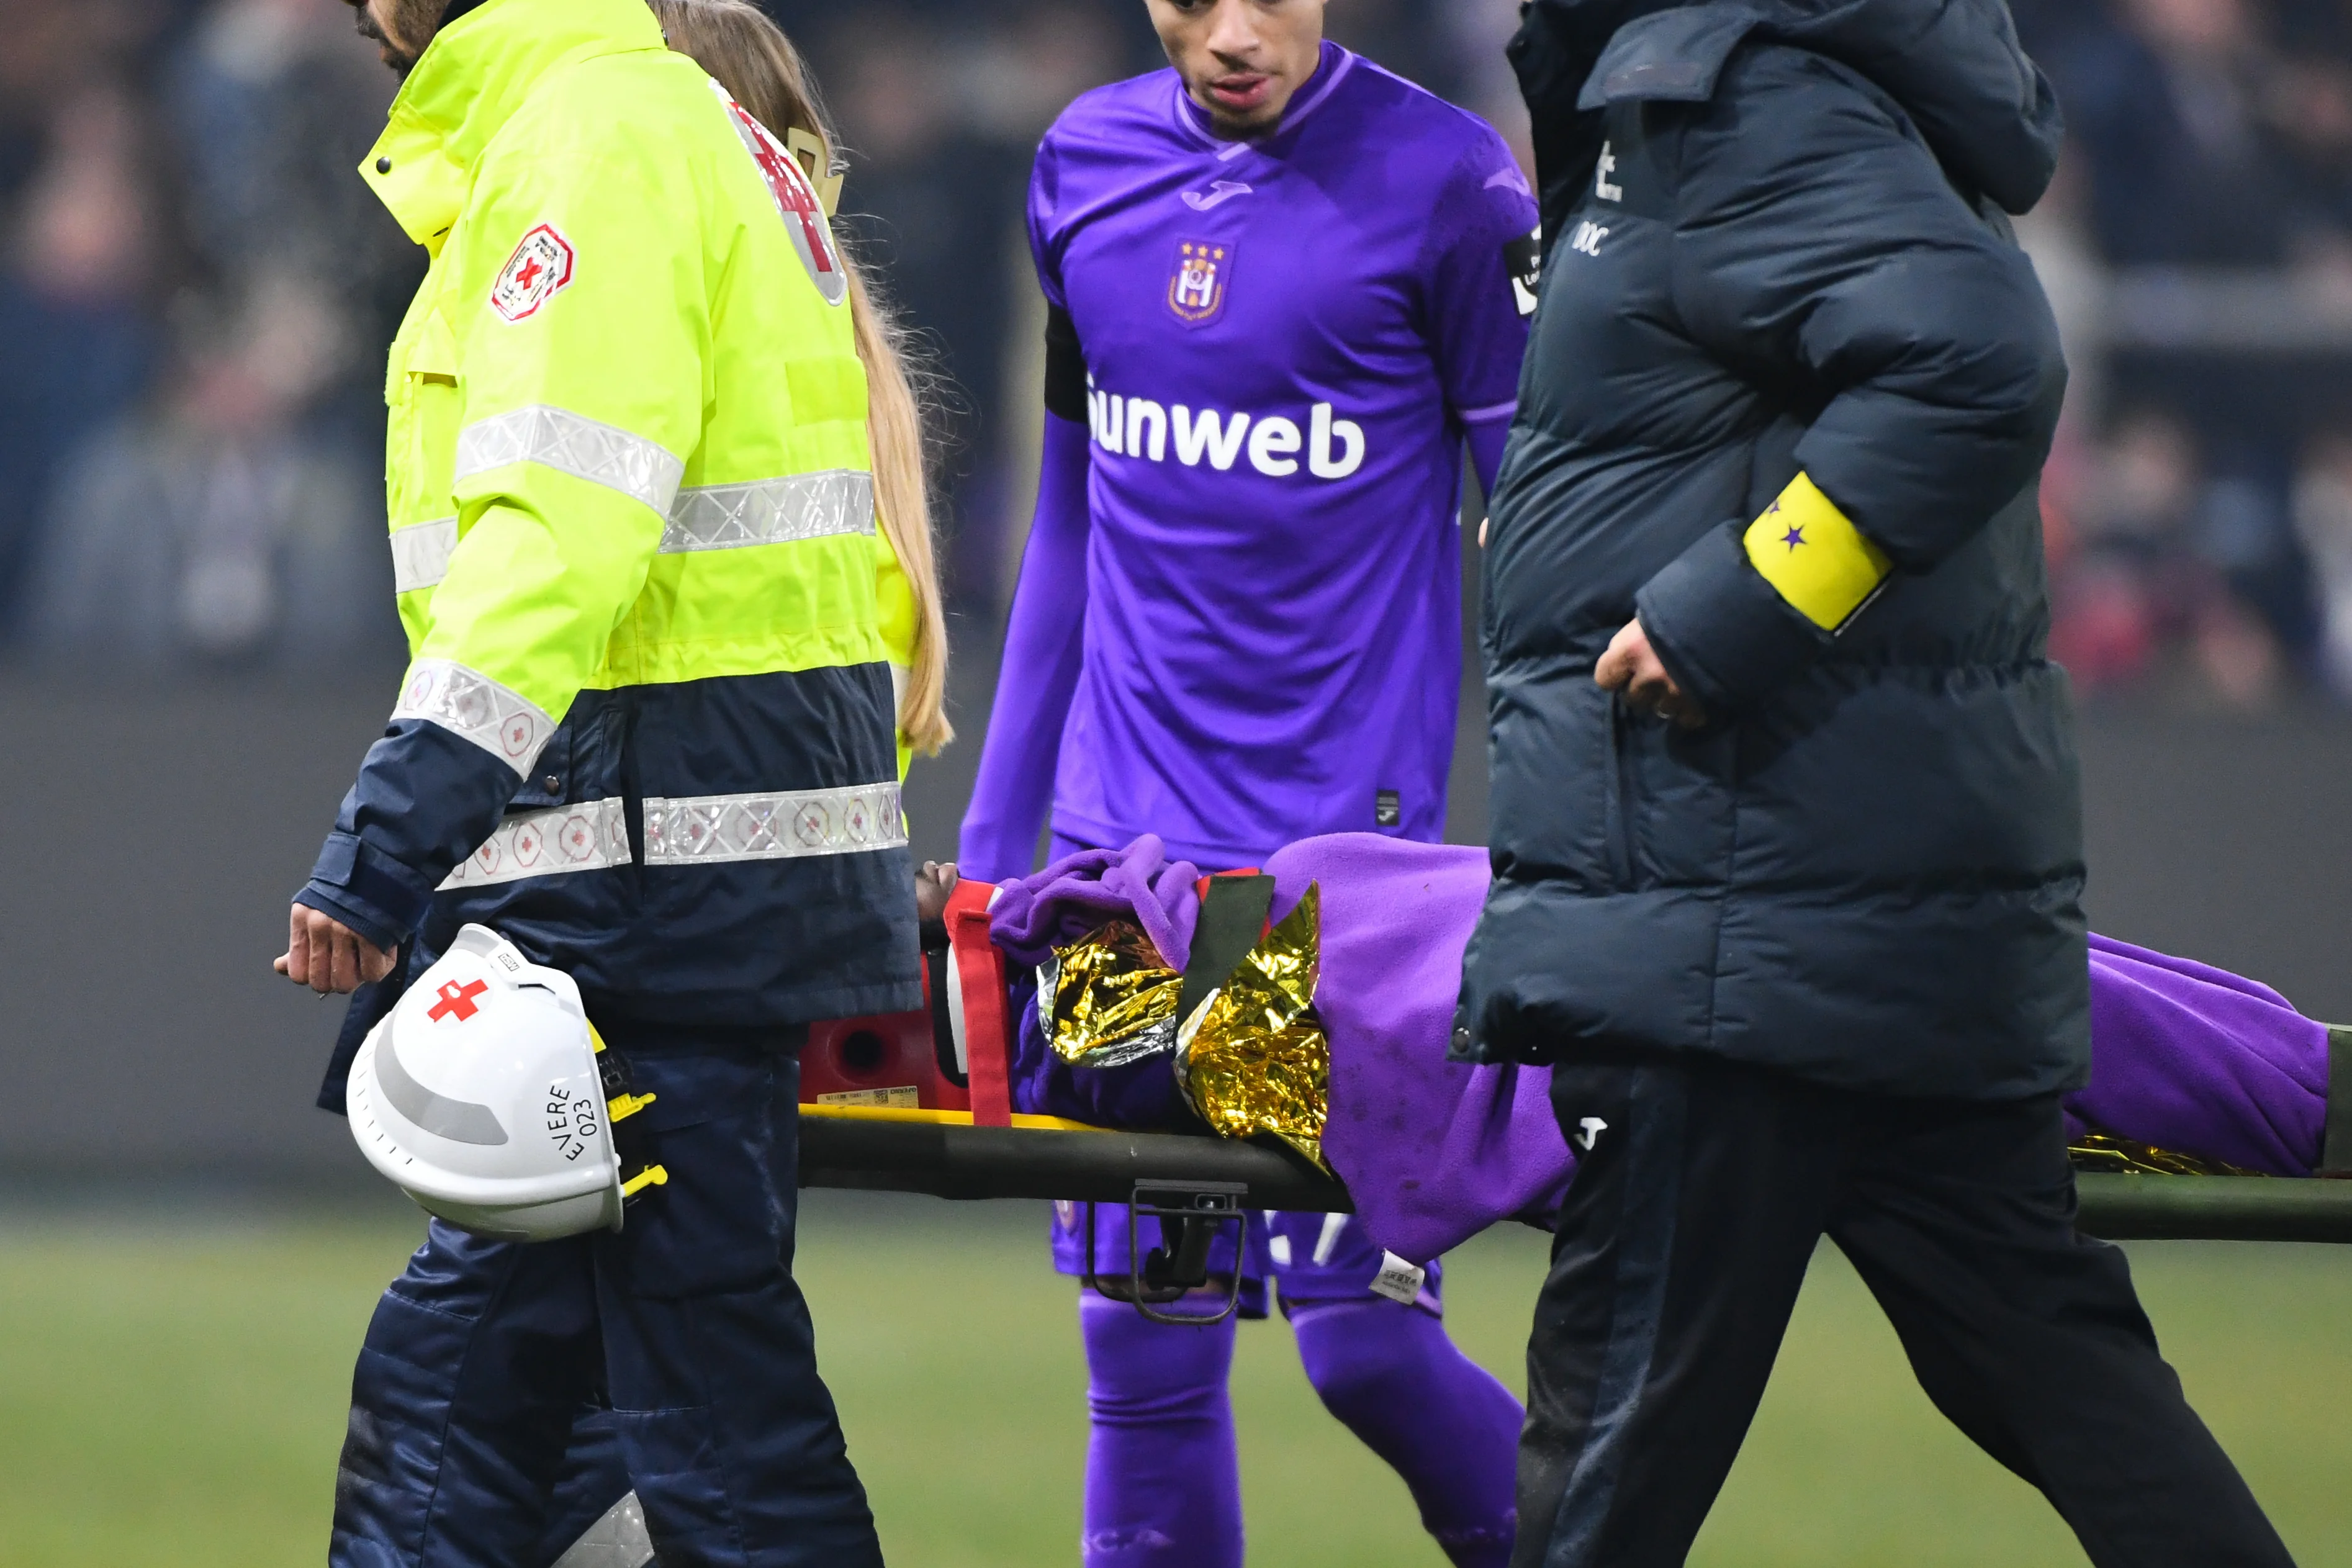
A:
751, 57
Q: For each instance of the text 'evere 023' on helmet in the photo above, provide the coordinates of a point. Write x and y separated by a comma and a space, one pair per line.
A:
483, 1098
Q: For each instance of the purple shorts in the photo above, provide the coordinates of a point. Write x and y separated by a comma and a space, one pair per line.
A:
1315, 1256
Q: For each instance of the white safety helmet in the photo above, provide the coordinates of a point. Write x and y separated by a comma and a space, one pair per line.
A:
480, 1096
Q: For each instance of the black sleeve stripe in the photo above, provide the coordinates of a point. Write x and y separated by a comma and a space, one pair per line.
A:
1066, 367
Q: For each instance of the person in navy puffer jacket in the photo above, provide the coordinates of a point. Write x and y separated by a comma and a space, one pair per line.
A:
1787, 831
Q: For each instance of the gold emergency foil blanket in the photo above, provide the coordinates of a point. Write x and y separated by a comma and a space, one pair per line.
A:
2107, 1154
1253, 1057
1110, 999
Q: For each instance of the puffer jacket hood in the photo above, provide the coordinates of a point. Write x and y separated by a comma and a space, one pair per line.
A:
1955, 66
1958, 67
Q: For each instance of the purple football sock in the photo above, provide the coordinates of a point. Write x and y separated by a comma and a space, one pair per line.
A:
1163, 1479
1391, 1373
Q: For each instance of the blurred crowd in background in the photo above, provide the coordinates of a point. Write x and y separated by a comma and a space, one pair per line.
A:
195, 291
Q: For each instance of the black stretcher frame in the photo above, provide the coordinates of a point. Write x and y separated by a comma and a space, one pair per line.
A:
962, 1162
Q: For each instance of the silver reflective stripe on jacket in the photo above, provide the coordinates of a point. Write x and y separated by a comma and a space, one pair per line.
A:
683, 830
704, 517
571, 444
771, 511
420, 554
473, 707
586, 837
619, 1539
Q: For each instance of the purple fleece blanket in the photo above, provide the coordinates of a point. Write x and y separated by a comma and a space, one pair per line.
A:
1434, 1151
2184, 1057
2195, 1058
1068, 900
1076, 894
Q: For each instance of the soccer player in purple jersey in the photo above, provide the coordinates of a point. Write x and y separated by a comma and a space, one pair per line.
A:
1286, 287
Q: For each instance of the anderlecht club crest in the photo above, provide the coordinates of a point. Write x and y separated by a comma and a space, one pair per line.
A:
1203, 273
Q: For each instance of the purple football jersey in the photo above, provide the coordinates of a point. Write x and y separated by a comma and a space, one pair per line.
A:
1287, 340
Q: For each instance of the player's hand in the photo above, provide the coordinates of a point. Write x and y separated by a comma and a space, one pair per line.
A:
329, 956
1632, 669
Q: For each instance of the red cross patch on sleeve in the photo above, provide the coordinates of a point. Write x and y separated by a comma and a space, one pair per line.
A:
797, 201
539, 268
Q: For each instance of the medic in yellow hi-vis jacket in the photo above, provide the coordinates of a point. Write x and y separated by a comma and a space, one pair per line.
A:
633, 533
646, 734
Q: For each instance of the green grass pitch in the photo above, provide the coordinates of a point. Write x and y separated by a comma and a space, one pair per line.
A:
172, 1391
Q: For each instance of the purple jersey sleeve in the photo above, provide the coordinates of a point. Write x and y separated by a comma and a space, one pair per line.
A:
1044, 199
1045, 632
1482, 285
1043, 648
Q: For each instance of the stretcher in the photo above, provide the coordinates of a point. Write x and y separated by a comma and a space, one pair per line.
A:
947, 1156
920, 1102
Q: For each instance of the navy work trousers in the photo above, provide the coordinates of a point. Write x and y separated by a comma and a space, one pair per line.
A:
507, 1395
1704, 1187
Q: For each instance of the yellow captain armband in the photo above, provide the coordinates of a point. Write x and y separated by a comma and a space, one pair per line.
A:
1814, 557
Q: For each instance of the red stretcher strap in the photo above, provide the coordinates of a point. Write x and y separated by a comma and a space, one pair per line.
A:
987, 1021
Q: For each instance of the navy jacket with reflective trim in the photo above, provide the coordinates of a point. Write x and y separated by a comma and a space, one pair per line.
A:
1778, 244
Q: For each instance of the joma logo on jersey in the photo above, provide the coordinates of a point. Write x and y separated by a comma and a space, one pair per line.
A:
1144, 428
1203, 270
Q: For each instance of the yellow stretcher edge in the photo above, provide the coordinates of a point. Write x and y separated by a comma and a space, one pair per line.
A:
944, 1118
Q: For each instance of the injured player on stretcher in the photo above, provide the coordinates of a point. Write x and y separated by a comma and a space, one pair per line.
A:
1327, 1024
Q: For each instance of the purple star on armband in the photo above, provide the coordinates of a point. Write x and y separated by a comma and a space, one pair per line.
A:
1794, 537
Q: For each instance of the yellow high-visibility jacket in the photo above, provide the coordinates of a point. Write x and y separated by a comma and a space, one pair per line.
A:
648, 729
